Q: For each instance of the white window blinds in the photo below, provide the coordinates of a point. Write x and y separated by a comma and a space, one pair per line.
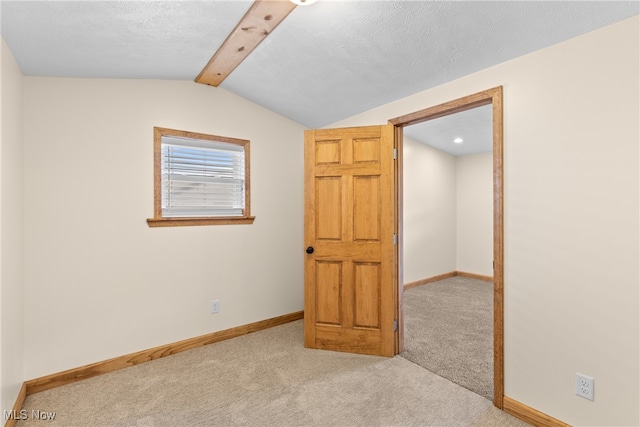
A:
202, 178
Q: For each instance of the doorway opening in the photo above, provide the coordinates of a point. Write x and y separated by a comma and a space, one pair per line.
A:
492, 98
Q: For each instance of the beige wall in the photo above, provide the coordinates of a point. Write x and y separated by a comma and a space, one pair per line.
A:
11, 189
99, 282
429, 242
571, 128
474, 212
448, 212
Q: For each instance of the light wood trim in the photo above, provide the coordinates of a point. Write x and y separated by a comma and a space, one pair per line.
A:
157, 172
259, 21
22, 394
456, 106
399, 252
177, 222
491, 96
429, 280
158, 220
498, 247
446, 276
530, 415
474, 276
72, 375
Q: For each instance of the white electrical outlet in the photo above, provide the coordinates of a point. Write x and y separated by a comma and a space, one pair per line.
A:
584, 386
215, 306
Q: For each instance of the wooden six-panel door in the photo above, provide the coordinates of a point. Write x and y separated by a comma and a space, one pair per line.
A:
349, 240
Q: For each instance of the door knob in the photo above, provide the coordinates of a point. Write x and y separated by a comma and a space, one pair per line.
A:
310, 250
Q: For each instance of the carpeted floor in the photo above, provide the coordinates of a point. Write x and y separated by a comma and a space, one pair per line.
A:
449, 331
267, 379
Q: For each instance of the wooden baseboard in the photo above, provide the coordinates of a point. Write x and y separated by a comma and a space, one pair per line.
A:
72, 375
429, 280
530, 415
475, 276
15, 414
446, 276
511, 406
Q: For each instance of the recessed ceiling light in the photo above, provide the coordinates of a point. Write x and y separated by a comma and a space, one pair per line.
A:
458, 140
303, 2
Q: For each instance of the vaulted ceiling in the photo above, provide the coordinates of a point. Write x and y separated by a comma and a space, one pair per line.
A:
323, 63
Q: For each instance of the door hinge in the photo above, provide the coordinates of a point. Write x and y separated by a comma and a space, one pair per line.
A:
395, 154
395, 325
395, 239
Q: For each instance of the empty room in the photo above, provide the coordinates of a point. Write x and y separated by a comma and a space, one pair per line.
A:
202, 218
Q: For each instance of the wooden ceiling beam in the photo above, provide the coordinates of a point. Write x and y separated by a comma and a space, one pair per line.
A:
259, 21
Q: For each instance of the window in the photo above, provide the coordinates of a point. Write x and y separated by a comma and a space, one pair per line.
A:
199, 179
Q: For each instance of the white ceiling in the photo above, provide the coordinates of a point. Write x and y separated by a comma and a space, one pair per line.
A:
475, 127
324, 63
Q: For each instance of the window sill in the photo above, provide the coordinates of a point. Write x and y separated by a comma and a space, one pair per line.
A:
182, 222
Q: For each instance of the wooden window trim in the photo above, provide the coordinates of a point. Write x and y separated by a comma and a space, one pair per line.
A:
179, 222
158, 220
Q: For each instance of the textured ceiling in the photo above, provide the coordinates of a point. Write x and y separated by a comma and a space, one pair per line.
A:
332, 60
119, 39
324, 63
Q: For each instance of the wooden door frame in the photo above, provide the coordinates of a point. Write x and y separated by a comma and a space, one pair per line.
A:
494, 97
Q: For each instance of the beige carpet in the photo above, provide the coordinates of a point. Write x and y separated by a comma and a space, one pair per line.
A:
267, 379
449, 331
